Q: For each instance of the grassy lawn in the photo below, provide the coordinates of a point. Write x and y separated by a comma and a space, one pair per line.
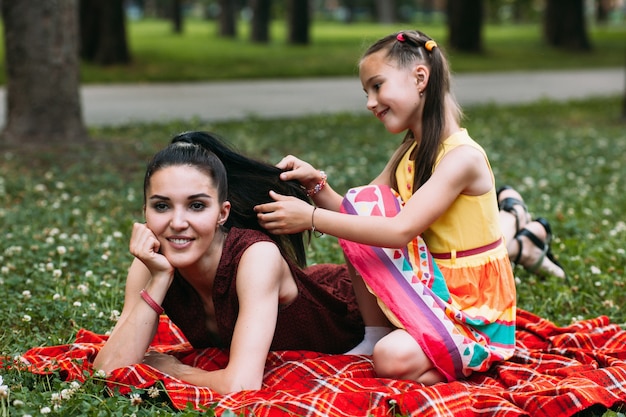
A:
66, 216
198, 54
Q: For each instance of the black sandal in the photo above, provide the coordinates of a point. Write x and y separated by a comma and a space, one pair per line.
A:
546, 251
508, 204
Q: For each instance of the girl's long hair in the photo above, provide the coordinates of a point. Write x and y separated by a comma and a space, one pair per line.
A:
437, 96
249, 183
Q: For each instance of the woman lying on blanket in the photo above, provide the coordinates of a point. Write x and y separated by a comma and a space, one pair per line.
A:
202, 258
452, 317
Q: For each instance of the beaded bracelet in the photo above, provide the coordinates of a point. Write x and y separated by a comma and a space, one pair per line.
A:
150, 301
319, 186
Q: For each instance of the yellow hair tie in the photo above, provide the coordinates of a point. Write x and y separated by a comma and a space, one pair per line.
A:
429, 45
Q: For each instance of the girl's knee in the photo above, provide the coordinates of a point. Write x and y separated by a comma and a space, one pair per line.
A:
399, 356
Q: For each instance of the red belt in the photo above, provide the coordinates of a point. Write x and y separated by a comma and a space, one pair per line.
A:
469, 252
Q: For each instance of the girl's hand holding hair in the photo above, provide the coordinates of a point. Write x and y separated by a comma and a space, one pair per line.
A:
285, 215
299, 170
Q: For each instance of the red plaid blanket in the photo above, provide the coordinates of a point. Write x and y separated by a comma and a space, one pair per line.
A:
556, 371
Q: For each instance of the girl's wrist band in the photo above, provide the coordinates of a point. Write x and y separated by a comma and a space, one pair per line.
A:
318, 187
150, 301
315, 232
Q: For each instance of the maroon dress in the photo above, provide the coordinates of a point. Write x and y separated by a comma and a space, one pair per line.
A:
324, 317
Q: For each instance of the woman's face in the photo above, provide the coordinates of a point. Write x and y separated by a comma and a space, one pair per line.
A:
184, 212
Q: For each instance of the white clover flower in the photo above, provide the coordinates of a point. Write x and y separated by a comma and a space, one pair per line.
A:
83, 289
26, 294
4, 389
100, 373
55, 398
61, 250
77, 304
135, 399
45, 410
117, 234
49, 266
5, 270
18, 403
115, 315
26, 318
50, 240
40, 188
88, 274
596, 271
105, 257
153, 392
60, 185
75, 385
57, 273
56, 296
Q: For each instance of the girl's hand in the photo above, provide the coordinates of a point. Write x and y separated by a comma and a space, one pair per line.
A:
299, 170
286, 215
145, 246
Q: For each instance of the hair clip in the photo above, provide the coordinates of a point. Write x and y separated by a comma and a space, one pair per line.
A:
429, 45
400, 37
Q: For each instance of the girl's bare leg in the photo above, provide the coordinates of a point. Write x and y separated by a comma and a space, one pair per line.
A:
376, 323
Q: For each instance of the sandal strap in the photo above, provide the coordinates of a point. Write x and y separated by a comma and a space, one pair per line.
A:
508, 204
543, 246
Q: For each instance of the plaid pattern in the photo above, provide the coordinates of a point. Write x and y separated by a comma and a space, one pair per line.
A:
555, 371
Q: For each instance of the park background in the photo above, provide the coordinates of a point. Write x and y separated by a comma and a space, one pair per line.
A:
70, 192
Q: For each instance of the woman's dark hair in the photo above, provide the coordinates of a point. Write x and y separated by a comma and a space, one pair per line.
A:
187, 154
249, 183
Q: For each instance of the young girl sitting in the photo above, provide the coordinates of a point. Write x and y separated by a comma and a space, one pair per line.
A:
425, 236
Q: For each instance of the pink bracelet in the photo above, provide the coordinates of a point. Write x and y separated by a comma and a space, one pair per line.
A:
319, 186
153, 304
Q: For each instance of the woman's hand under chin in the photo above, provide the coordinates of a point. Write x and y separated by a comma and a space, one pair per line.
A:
145, 246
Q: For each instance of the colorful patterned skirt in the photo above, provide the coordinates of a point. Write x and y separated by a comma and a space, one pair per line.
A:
414, 295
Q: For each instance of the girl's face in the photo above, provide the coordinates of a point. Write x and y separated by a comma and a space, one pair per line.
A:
183, 211
392, 92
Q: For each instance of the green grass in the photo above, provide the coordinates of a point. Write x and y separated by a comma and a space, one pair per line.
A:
67, 212
198, 54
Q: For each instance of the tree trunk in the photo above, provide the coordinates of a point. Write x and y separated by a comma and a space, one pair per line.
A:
564, 25
602, 11
177, 16
386, 11
227, 28
261, 10
465, 21
624, 101
43, 72
298, 19
103, 32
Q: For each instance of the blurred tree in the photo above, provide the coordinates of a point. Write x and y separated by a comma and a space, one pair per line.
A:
465, 21
261, 10
177, 15
43, 72
103, 32
298, 21
603, 8
227, 21
386, 11
565, 26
